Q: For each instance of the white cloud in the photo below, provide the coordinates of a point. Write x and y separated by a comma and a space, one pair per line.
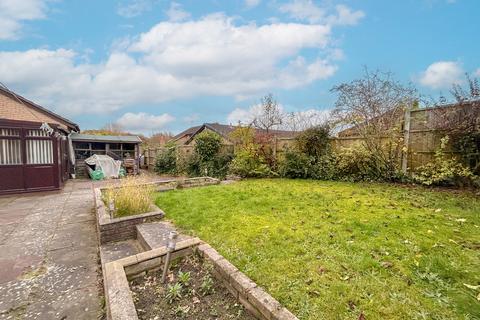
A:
245, 115
252, 3
176, 13
307, 10
477, 73
144, 122
296, 120
210, 56
304, 10
13, 13
133, 8
442, 74
345, 16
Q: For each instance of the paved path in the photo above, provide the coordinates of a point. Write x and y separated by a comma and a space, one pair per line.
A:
49, 255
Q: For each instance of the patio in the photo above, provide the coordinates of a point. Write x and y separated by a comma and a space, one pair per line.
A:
49, 257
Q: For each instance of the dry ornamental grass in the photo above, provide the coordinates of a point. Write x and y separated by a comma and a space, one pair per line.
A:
132, 196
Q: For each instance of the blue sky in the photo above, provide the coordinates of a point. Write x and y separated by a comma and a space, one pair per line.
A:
156, 65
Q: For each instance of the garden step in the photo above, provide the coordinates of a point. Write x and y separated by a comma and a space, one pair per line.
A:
155, 234
117, 250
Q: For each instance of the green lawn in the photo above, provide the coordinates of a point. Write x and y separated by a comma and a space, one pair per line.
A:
334, 250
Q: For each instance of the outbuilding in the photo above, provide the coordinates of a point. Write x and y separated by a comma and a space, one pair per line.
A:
35, 152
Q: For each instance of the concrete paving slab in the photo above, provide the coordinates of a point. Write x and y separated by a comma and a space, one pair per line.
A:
49, 264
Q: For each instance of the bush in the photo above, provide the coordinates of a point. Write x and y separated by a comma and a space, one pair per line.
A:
325, 168
207, 145
314, 142
249, 164
166, 160
296, 165
444, 170
208, 158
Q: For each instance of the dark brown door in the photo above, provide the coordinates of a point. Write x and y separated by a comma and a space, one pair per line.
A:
11, 162
29, 160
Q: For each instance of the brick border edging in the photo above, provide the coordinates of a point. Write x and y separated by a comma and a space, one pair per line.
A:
256, 300
119, 300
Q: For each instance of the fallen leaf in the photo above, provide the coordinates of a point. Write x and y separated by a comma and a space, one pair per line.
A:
387, 264
438, 210
469, 286
361, 316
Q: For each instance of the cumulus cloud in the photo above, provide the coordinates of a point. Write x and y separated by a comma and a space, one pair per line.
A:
176, 13
214, 55
134, 8
14, 13
307, 10
252, 3
477, 73
144, 122
442, 74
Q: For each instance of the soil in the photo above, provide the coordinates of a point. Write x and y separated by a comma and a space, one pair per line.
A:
198, 300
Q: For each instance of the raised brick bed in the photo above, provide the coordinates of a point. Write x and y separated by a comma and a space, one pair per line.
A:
117, 229
119, 299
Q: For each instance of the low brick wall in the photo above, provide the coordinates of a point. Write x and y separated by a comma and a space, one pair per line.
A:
258, 302
117, 229
119, 301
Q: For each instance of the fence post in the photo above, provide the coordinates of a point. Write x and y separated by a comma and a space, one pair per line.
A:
406, 140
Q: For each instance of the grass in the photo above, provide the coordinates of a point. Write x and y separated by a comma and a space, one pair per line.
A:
337, 250
132, 195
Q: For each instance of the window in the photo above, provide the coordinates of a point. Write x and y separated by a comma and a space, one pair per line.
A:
98, 146
39, 151
9, 132
37, 133
81, 145
128, 147
10, 151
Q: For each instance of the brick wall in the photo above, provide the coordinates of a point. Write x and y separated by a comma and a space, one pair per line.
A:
13, 110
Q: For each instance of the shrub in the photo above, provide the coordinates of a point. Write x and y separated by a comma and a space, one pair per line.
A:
314, 142
166, 160
207, 145
250, 153
325, 168
132, 196
444, 170
296, 165
247, 163
208, 158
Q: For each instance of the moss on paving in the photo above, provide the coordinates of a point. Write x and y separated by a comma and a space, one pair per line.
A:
335, 250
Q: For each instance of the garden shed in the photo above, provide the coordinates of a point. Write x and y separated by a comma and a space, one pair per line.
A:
123, 147
34, 146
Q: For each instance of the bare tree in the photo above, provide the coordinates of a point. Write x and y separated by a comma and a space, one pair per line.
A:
460, 121
270, 115
373, 108
303, 120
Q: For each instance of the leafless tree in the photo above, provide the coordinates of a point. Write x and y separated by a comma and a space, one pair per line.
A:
270, 115
303, 120
460, 120
373, 108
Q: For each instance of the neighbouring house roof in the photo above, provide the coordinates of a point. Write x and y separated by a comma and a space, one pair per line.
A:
32, 116
224, 130
111, 139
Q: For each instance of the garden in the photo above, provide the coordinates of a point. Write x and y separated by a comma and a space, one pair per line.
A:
332, 230
342, 250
